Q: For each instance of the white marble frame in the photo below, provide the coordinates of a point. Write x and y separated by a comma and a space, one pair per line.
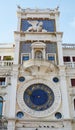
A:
51, 54
22, 54
34, 113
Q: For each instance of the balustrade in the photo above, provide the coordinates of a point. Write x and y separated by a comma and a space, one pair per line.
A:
70, 64
6, 63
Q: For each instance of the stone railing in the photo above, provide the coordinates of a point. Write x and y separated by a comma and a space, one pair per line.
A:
70, 64
6, 63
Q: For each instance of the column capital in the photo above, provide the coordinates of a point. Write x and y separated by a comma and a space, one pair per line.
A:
61, 67
62, 70
59, 37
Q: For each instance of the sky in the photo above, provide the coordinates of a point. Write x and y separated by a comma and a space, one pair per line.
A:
8, 17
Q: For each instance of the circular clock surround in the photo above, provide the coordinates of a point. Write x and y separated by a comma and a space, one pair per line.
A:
46, 110
38, 97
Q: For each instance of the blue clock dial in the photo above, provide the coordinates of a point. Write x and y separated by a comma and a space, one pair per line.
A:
38, 97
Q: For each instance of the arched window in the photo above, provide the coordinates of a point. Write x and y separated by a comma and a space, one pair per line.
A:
38, 55
1, 105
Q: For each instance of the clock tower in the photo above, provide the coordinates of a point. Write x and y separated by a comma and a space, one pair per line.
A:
39, 89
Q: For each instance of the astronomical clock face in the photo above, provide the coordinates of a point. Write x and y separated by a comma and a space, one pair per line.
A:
39, 98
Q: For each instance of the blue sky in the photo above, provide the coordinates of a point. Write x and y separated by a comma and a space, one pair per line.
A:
8, 17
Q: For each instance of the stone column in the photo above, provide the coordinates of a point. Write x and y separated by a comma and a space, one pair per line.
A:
64, 93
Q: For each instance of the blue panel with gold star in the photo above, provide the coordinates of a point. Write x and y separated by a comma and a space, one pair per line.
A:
38, 25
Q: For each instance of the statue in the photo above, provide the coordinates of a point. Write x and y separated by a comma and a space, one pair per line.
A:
36, 26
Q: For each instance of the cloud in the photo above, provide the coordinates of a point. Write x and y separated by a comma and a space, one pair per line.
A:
72, 23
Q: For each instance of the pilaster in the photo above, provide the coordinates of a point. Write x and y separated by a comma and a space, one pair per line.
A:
32, 53
12, 98
16, 57
44, 53
11, 125
67, 125
60, 53
64, 92
19, 23
57, 22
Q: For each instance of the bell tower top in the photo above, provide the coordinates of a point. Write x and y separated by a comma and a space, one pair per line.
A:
38, 25
48, 16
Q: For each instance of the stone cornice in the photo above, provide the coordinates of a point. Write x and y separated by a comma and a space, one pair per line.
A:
37, 11
67, 45
38, 36
23, 32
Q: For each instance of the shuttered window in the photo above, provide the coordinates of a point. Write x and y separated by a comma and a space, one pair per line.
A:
1, 105
2, 81
66, 58
73, 82
74, 104
73, 58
